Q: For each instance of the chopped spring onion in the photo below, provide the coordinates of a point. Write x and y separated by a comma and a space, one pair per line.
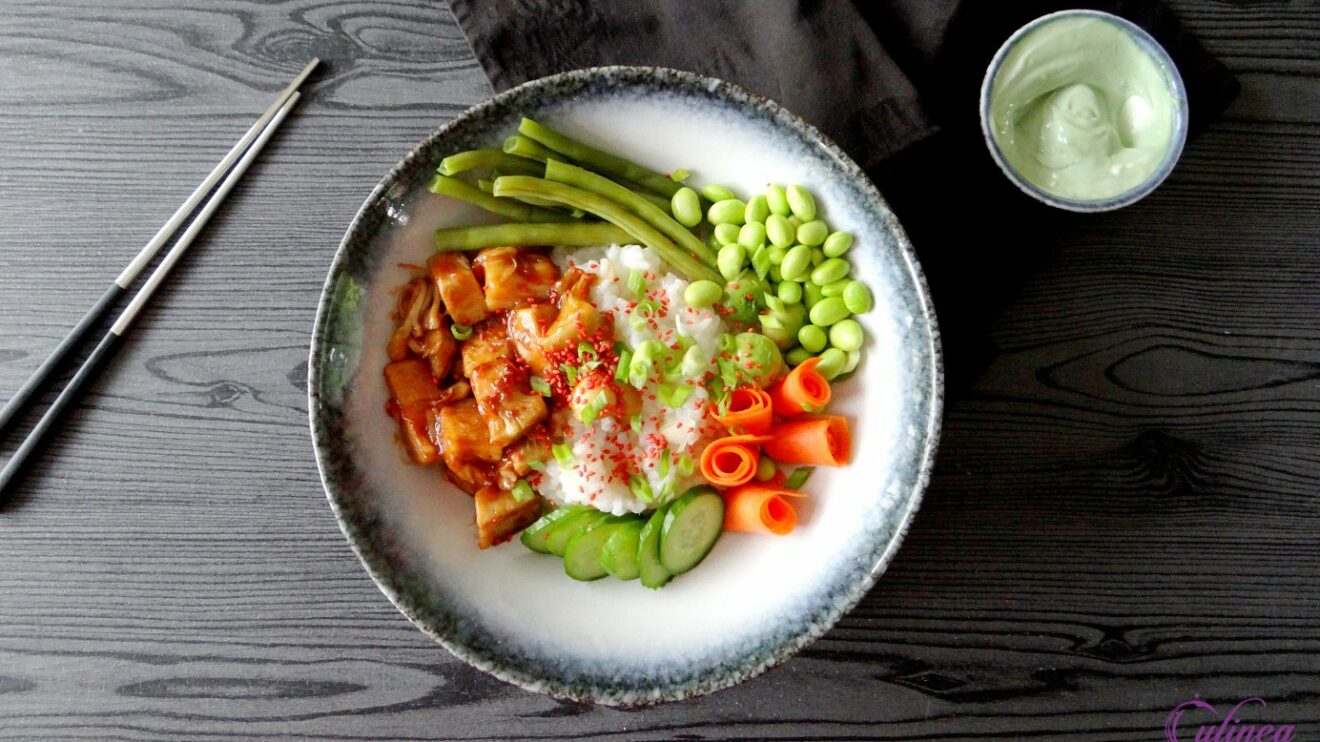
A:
674, 395
625, 360
594, 407
635, 423
771, 322
663, 467
694, 363
643, 362
540, 386
680, 175
798, 477
640, 488
637, 282
563, 454
522, 491
586, 351
460, 332
685, 465
535, 465
569, 372
642, 314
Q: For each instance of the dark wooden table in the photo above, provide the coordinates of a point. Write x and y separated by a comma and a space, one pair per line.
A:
1123, 514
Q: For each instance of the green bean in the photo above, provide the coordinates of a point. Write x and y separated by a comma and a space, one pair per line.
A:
727, 234
830, 270
519, 186
847, 335
776, 200
731, 259
727, 211
657, 217
828, 310
835, 289
594, 159
796, 263
789, 292
686, 206
837, 244
702, 293
752, 235
777, 255
444, 185
486, 186
757, 210
778, 230
555, 233
801, 202
532, 150
796, 356
832, 362
813, 232
488, 158
857, 297
717, 193
812, 338
811, 294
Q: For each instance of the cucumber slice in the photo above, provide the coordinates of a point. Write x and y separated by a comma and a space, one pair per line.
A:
653, 573
620, 555
534, 536
691, 527
582, 557
564, 530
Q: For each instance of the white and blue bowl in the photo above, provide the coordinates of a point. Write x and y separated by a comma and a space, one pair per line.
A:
1177, 90
756, 599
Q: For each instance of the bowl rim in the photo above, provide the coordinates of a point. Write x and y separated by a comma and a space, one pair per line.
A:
1118, 201
828, 616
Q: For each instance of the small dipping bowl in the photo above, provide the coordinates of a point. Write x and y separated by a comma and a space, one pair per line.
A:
1047, 142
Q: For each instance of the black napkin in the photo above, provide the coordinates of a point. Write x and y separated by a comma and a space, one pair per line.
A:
894, 82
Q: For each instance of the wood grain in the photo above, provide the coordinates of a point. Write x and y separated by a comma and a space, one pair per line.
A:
1123, 513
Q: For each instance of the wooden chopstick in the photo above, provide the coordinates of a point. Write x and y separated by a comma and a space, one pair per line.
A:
77, 335
17, 464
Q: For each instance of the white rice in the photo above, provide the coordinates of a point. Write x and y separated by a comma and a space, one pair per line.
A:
682, 430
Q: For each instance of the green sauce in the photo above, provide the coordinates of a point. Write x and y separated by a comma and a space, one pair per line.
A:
1082, 111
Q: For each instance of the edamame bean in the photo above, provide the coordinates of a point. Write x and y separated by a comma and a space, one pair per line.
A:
846, 335
801, 202
730, 260
702, 293
828, 311
813, 232
717, 193
837, 244
854, 358
779, 231
728, 211
813, 338
726, 234
789, 292
817, 257
777, 255
765, 469
830, 271
752, 235
776, 275
757, 210
776, 200
796, 263
832, 362
857, 297
834, 289
686, 207
811, 294
797, 355
794, 222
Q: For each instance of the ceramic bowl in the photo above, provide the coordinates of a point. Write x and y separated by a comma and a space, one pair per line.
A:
755, 600
1177, 91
